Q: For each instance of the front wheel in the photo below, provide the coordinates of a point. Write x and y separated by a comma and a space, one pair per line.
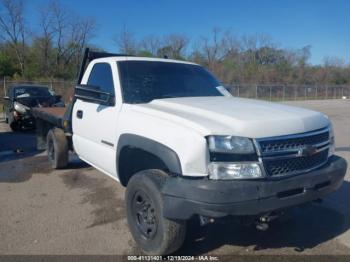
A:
153, 233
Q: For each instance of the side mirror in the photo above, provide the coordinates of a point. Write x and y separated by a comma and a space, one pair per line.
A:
93, 94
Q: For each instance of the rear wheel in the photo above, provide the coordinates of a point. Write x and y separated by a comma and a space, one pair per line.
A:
154, 234
57, 148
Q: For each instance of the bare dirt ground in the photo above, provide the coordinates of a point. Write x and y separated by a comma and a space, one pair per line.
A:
81, 211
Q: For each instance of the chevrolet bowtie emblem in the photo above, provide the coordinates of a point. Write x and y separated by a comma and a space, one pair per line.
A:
307, 151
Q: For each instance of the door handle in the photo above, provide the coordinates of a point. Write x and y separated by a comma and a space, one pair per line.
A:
80, 114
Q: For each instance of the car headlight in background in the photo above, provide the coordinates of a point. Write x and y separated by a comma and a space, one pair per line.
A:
230, 144
230, 171
20, 108
331, 141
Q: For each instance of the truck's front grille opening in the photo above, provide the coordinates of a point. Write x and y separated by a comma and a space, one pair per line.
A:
294, 165
283, 144
289, 193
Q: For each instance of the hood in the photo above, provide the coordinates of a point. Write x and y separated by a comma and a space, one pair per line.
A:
235, 116
39, 101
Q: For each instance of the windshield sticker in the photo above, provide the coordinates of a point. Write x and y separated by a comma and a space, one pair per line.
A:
223, 91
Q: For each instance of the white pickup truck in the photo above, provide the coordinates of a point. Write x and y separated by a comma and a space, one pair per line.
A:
184, 147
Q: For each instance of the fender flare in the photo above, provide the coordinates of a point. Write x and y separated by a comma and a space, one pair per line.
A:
166, 154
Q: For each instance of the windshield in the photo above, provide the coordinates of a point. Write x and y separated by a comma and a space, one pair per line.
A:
143, 81
31, 91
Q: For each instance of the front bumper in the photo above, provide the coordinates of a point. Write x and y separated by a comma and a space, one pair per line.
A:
185, 197
26, 120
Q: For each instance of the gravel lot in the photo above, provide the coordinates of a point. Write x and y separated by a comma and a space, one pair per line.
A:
81, 211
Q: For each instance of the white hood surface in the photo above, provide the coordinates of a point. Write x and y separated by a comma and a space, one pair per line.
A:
235, 116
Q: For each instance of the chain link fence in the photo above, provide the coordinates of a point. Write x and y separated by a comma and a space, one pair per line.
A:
289, 92
265, 92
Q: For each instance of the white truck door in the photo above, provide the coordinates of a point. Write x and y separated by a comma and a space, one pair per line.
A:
94, 125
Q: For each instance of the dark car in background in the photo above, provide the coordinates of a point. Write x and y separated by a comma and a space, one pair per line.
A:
20, 99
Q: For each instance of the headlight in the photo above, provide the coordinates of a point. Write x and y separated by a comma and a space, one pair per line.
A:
20, 108
331, 141
227, 171
230, 144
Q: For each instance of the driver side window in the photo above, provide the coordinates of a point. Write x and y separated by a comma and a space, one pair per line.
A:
101, 76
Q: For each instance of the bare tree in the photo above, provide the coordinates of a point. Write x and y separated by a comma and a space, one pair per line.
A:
212, 48
67, 33
231, 45
46, 37
176, 44
60, 25
303, 56
82, 31
331, 61
12, 26
126, 42
150, 44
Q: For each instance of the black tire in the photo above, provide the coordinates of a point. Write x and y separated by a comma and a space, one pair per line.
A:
153, 233
57, 148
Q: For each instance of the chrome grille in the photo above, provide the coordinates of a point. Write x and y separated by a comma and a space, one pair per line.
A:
293, 143
294, 165
284, 155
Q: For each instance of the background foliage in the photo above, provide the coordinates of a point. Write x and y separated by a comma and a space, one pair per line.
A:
54, 49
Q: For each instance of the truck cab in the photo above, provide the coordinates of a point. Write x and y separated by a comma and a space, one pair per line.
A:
184, 147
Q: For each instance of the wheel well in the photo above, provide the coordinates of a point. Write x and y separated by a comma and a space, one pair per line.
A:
132, 160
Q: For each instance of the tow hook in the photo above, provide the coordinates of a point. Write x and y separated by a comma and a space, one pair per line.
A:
262, 222
203, 220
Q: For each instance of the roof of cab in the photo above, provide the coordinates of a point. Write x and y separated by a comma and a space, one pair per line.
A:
136, 58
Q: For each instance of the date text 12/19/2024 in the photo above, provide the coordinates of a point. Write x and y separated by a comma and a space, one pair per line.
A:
173, 258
